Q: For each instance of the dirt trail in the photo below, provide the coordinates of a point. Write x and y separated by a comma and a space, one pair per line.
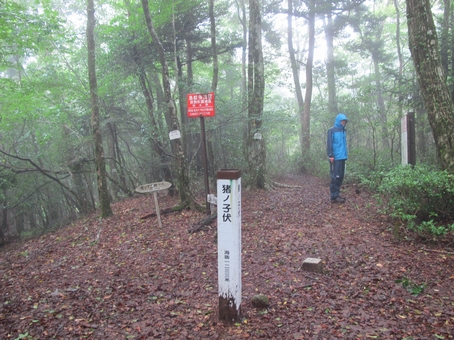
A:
126, 278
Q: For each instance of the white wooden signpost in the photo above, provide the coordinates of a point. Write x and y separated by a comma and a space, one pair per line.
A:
154, 188
229, 244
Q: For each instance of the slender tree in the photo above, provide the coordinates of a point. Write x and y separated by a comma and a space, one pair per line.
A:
214, 83
400, 59
295, 70
255, 143
330, 69
332, 12
104, 199
242, 16
309, 83
304, 105
376, 50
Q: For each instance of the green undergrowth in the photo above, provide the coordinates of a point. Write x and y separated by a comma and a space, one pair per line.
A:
420, 197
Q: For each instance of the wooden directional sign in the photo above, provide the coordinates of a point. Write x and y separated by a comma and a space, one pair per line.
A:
151, 187
154, 188
201, 104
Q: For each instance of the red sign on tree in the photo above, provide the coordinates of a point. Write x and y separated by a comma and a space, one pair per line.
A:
201, 104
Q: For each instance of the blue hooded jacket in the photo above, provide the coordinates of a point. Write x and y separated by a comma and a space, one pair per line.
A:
336, 142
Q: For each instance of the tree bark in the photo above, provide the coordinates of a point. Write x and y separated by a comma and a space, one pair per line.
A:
255, 144
380, 100
214, 85
445, 35
242, 17
426, 57
309, 83
401, 62
295, 72
112, 157
214, 82
330, 73
4, 223
104, 199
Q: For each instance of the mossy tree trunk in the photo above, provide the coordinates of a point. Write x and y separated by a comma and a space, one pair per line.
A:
437, 99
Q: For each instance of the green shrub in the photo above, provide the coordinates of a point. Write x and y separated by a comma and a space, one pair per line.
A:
420, 195
410, 286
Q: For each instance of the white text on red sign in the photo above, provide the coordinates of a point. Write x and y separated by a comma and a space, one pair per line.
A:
200, 104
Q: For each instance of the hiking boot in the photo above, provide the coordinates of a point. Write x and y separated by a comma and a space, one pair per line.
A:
342, 198
338, 199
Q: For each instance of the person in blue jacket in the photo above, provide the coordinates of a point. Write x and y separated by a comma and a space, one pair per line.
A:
336, 148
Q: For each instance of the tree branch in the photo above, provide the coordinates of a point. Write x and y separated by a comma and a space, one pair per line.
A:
42, 171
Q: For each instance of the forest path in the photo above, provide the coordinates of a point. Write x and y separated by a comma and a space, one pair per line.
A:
124, 277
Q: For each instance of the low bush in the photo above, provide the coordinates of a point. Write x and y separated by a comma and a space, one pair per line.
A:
421, 196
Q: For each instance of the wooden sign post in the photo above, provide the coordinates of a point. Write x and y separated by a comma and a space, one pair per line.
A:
408, 139
154, 188
229, 244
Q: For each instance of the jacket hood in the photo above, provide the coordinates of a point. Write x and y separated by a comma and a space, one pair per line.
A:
339, 118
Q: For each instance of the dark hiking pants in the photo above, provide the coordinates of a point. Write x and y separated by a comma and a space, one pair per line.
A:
337, 177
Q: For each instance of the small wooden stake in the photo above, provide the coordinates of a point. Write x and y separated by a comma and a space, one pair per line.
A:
156, 204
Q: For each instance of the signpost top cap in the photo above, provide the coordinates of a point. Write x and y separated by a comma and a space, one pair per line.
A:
228, 174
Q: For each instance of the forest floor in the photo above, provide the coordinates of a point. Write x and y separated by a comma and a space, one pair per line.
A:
126, 278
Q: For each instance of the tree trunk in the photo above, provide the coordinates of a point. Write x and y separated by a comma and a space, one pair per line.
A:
377, 55
214, 82
214, 85
309, 66
401, 62
422, 127
426, 57
380, 101
242, 19
295, 72
160, 101
104, 199
190, 136
81, 186
81, 189
20, 221
451, 44
255, 144
165, 173
181, 165
120, 160
330, 73
4, 223
445, 47
112, 157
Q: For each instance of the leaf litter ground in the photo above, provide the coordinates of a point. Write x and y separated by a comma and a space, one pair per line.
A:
126, 278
